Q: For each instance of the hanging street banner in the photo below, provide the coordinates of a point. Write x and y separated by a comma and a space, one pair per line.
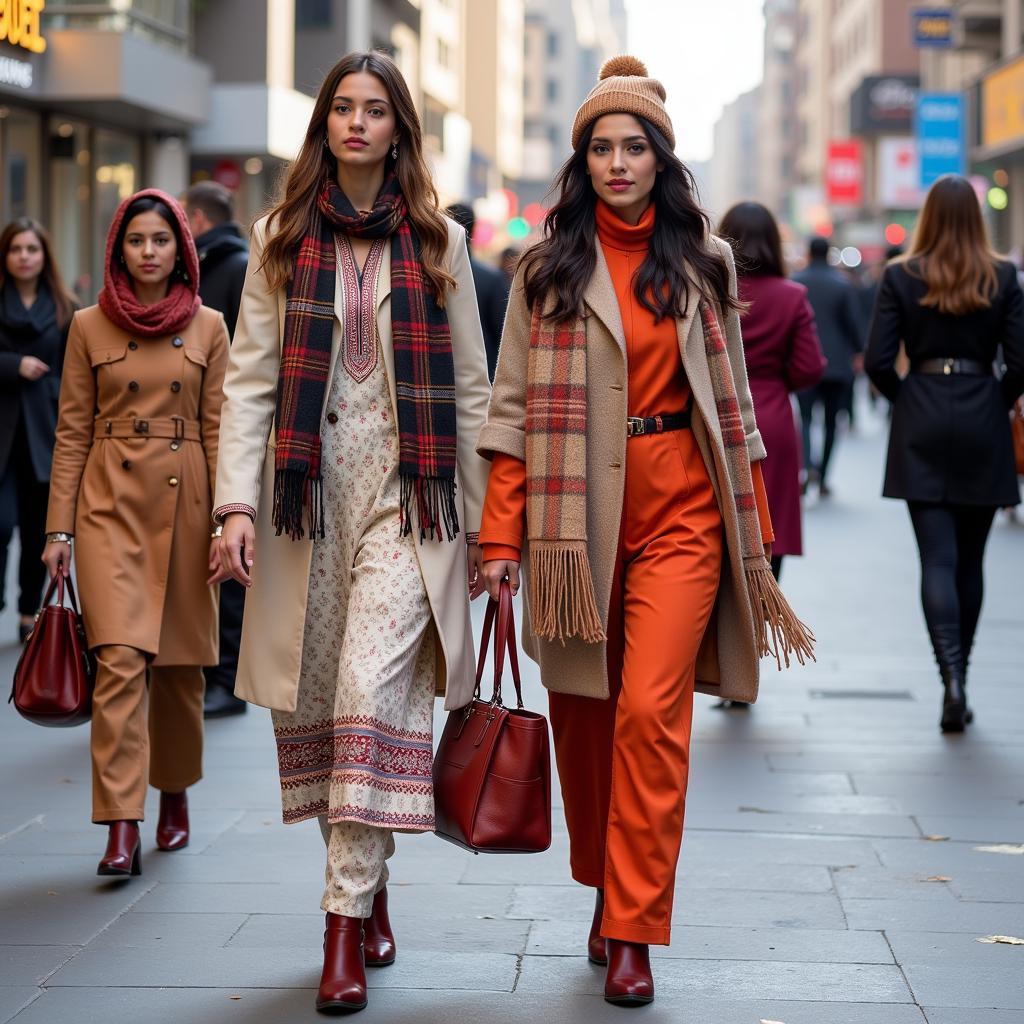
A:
844, 173
939, 131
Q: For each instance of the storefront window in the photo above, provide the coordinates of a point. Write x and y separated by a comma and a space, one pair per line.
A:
162, 21
116, 160
20, 157
70, 176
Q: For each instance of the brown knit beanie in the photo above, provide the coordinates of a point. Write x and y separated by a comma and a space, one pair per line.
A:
624, 88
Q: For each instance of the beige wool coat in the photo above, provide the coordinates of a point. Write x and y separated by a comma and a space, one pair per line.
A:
136, 497
275, 604
728, 663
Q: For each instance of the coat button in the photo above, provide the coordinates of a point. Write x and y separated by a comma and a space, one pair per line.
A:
175, 445
133, 345
332, 417
133, 385
177, 343
173, 481
126, 464
175, 386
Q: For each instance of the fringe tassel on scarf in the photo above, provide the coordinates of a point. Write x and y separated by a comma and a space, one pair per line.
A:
294, 491
434, 501
778, 631
562, 602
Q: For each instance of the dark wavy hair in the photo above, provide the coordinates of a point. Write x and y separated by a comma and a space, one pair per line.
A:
752, 232
145, 204
563, 262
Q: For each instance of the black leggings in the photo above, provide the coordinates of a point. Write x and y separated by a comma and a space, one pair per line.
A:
951, 541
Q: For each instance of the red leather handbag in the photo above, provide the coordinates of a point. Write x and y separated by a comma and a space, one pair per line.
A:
54, 677
492, 770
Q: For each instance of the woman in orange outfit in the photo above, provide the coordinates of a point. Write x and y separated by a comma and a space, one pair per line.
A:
625, 479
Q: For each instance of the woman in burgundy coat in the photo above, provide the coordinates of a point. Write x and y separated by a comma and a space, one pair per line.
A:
783, 355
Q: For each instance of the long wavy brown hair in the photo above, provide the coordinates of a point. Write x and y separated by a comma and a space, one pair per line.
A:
291, 217
63, 298
950, 250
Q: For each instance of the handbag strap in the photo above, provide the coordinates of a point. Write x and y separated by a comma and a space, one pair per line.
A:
58, 583
504, 640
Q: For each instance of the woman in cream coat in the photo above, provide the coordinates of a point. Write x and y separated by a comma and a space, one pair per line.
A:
359, 565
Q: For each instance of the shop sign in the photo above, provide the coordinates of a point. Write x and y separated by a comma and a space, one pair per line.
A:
939, 129
933, 27
884, 104
844, 173
898, 179
19, 24
1002, 105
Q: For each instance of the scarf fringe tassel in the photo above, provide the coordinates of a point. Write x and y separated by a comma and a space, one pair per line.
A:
562, 601
434, 501
293, 491
778, 631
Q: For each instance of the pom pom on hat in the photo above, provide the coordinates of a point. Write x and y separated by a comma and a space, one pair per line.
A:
623, 66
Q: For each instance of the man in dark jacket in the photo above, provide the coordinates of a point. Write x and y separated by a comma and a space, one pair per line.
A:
837, 314
491, 289
223, 258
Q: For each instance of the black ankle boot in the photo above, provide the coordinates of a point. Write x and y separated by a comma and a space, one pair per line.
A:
954, 701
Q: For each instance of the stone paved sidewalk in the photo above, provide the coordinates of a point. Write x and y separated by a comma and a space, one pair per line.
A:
831, 870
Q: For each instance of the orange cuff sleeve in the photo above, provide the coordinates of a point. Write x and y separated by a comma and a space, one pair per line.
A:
504, 552
761, 497
504, 518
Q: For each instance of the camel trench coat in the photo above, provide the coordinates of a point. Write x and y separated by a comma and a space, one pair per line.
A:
727, 665
275, 604
139, 506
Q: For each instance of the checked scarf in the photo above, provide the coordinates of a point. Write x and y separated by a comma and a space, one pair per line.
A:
424, 369
562, 601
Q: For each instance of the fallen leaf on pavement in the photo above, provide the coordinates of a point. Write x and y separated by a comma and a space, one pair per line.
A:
236, 998
486, 917
763, 1021
1006, 940
1011, 848
937, 839
937, 878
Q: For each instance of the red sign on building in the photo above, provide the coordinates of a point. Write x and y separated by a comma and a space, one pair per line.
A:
844, 173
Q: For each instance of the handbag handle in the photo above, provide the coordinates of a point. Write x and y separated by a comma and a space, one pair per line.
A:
58, 583
504, 640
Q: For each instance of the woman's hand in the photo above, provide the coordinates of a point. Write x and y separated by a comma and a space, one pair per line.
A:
475, 557
31, 368
57, 557
236, 550
217, 574
495, 571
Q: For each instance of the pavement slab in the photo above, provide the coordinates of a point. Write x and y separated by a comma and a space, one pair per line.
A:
807, 893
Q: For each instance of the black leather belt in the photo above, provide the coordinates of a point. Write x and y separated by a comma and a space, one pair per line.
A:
948, 366
660, 424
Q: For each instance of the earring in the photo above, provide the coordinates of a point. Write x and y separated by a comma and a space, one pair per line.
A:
327, 145
394, 151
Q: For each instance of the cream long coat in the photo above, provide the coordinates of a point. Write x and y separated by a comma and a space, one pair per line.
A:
728, 664
275, 605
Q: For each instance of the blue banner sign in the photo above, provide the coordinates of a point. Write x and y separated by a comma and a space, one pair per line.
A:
933, 27
939, 128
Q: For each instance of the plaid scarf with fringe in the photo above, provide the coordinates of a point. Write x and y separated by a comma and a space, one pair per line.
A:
424, 370
562, 601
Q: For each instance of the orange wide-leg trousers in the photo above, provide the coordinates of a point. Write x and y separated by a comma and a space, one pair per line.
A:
624, 762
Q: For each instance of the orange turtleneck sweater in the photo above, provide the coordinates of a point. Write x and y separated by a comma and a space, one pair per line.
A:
656, 380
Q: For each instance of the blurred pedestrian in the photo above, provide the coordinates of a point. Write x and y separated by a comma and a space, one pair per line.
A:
35, 313
508, 261
223, 259
133, 468
837, 317
334, 424
491, 288
609, 462
783, 355
951, 301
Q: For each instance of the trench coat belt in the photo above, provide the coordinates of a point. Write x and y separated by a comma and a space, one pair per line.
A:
950, 366
174, 427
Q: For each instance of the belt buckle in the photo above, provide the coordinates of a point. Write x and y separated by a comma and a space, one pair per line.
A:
635, 426
140, 426
179, 427
947, 366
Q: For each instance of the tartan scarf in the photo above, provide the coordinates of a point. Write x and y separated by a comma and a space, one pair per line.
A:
424, 370
562, 600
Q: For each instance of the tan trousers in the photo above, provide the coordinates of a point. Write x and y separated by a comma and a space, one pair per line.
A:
357, 868
126, 748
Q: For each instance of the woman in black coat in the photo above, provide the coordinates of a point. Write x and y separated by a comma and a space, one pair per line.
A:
35, 313
952, 302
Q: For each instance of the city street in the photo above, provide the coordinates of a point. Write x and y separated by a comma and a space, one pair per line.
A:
841, 862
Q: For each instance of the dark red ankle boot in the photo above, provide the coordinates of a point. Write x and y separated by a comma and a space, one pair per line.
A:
122, 856
378, 938
172, 827
343, 982
597, 950
629, 981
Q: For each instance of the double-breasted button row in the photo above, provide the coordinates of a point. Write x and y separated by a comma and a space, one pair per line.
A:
133, 345
126, 463
177, 343
173, 481
133, 385
175, 386
175, 445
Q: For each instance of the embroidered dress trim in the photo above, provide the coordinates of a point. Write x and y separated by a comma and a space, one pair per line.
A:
359, 324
